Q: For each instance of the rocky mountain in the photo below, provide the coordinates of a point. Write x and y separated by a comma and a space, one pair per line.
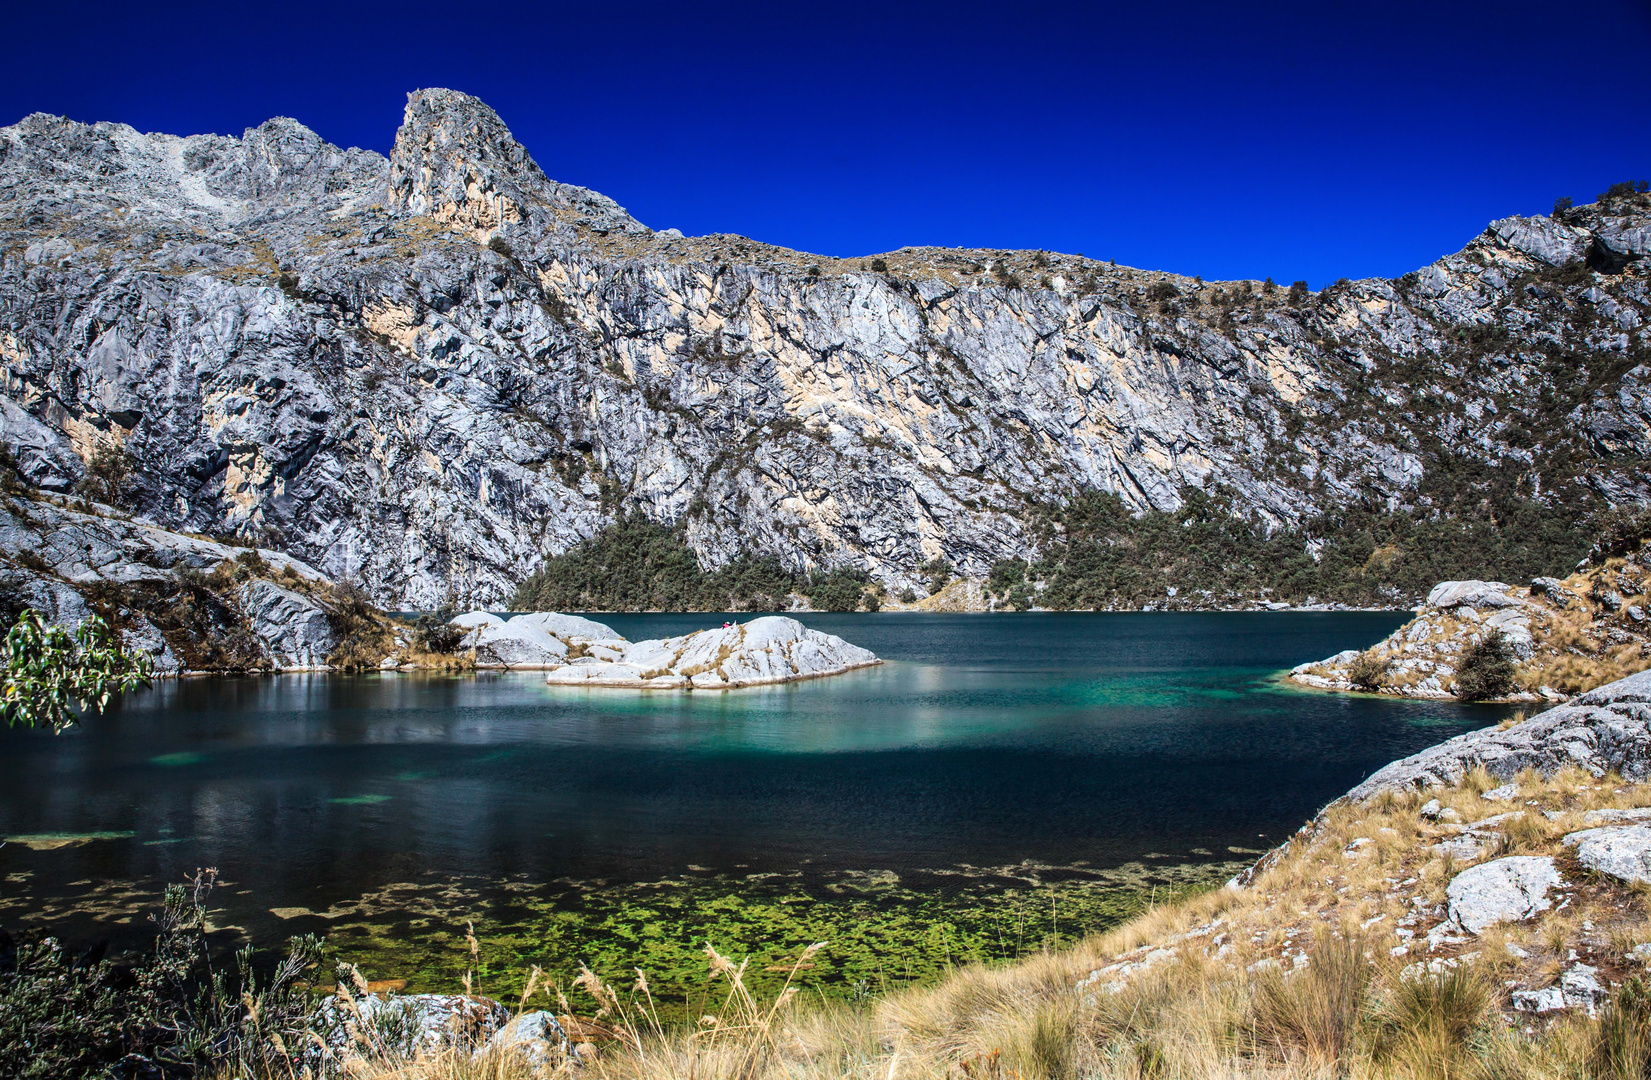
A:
427, 373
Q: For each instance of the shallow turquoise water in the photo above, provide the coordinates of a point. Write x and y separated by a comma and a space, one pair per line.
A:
1075, 741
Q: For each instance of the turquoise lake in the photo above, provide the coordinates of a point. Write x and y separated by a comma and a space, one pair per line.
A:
995, 761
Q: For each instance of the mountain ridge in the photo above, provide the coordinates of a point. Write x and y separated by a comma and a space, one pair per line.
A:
430, 371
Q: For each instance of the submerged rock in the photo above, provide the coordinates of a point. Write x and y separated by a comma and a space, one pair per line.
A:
772, 649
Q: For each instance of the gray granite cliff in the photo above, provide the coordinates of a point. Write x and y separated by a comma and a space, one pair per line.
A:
428, 372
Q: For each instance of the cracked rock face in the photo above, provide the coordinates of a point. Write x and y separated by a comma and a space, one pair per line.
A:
427, 372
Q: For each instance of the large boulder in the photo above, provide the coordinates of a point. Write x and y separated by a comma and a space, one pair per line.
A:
535, 1038
1502, 890
771, 649
541, 639
407, 1025
1605, 729
1619, 851
1474, 594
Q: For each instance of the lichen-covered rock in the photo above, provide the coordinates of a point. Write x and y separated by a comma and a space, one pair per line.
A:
1620, 851
772, 649
1503, 890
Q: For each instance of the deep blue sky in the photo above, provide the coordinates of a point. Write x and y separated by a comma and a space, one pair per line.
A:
1313, 140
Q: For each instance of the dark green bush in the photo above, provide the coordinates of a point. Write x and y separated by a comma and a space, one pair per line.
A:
1561, 205
434, 630
842, 589
1298, 292
879, 266
939, 573
1486, 669
639, 565
1369, 671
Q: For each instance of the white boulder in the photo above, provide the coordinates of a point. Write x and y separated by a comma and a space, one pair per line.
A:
541, 639
1474, 594
1502, 890
1619, 851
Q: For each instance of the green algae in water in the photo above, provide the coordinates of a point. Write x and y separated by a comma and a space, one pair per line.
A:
178, 760
360, 800
882, 931
53, 841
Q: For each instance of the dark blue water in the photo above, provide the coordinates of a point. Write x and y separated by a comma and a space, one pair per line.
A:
986, 740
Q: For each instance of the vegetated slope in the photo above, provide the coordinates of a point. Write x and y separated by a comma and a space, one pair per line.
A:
431, 371
1555, 637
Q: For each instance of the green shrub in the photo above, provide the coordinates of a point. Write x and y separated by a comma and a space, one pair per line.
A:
1561, 205
879, 266
1298, 292
1486, 669
842, 589
638, 565
169, 1013
1369, 670
939, 573
108, 475
47, 673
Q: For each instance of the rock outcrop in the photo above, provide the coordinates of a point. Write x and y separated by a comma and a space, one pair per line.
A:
1502, 890
1566, 636
188, 603
1607, 729
541, 639
426, 372
771, 649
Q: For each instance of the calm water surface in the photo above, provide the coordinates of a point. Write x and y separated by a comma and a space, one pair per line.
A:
1055, 743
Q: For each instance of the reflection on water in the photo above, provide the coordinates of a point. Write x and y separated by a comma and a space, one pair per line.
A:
1081, 741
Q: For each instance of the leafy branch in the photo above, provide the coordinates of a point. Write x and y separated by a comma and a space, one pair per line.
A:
47, 673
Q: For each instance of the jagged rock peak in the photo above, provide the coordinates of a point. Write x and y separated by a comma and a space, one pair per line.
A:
51, 166
454, 160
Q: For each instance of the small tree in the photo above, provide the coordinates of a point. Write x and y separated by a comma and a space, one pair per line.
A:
1369, 670
879, 266
1298, 292
1561, 204
48, 673
108, 475
1486, 670
939, 573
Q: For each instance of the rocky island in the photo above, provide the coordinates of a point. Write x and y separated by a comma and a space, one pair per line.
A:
580, 652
